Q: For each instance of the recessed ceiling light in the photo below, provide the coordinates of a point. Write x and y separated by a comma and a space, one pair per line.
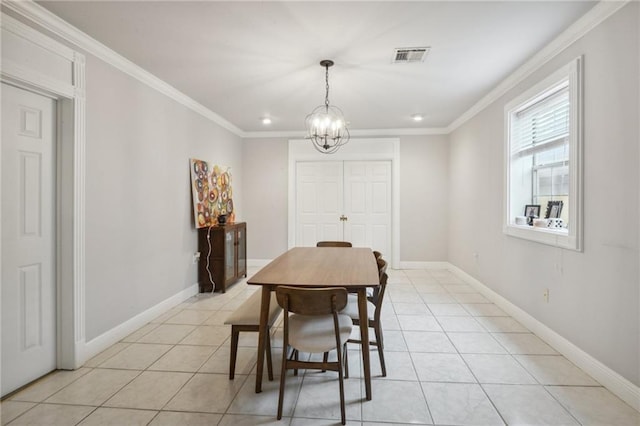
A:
266, 120
417, 117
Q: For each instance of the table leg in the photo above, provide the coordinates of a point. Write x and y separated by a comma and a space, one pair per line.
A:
262, 335
364, 337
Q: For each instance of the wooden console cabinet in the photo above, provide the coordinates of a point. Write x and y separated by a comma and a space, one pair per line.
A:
227, 256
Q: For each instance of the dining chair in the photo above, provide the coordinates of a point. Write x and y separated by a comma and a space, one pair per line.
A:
334, 244
374, 312
313, 323
377, 254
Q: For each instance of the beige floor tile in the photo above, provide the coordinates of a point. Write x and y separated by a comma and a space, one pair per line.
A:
396, 402
9, 410
428, 341
94, 387
484, 310
528, 405
167, 333
476, 343
416, 307
504, 369
266, 402
139, 333
136, 356
251, 420
305, 421
151, 390
456, 324
208, 335
219, 362
183, 358
207, 393
320, 398
48, 385
460, 404
53, 414
436, 367
171, 312
190, 317
217, 318
595, 406
173, 418
502, 325
470, 298
105, 355
555, 370
418, 323
524, 344
447, 310
118, 417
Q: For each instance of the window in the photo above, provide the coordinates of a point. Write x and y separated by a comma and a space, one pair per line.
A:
543, 157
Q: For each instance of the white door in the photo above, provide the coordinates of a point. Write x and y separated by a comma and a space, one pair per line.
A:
358, 191
367, 205
319, 198
28, 240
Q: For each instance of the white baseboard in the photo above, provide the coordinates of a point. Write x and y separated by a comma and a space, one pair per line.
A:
621, 387
424, 265
102, 342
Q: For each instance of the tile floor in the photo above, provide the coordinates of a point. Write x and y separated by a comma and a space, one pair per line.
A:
453, 358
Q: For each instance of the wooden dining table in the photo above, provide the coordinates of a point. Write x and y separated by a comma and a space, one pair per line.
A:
312, 267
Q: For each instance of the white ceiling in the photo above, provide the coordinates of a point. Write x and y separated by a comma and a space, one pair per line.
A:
245, 60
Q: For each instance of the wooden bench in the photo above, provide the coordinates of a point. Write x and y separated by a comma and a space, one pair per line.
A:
247, 318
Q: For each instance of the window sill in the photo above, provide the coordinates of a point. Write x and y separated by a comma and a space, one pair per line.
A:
552, 237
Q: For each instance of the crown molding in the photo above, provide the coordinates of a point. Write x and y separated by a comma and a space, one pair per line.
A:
49, 21
356, 133
578, 29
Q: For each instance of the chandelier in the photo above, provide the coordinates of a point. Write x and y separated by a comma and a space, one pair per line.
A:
326, 126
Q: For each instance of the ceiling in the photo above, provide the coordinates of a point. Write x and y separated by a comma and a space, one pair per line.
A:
247, 60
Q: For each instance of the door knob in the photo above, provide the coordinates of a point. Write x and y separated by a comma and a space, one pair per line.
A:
343, 218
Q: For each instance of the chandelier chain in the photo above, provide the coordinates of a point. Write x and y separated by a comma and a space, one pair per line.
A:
326, 79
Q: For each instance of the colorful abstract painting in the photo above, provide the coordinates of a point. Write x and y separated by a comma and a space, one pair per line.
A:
212, 193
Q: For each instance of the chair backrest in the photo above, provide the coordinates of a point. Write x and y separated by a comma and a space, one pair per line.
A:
377, 254
382, 266
378, 296
311, 301
334, 244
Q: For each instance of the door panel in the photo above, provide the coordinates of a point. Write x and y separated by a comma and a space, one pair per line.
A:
28, 240
368, 204
319, 193
359, 190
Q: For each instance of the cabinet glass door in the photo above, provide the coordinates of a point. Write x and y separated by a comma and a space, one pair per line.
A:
229, 255
242, 252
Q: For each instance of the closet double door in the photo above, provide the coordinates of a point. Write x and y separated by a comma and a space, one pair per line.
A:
344, 201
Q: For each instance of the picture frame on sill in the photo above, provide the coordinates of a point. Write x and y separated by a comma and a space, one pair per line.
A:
532, 210
554, 209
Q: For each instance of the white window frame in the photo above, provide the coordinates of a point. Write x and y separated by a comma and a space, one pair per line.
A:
571, 237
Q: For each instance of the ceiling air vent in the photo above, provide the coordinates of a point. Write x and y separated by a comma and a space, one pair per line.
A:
410, 54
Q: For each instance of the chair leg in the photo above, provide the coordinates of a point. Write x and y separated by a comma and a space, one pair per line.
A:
295, 357
325, 359
234, 352
341, 378
269, 362
345, 360
380, 345
282, 380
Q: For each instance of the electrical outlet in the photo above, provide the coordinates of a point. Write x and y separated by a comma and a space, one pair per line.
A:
545, 295
196, 258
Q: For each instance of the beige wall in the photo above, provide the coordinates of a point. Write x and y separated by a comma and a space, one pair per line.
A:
140, 235
423, 197
594, 295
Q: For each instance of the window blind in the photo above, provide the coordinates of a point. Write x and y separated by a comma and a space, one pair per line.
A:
544, 122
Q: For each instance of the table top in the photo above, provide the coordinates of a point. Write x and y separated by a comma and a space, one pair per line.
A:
349, 267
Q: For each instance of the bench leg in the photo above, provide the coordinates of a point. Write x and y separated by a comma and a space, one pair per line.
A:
234, 351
